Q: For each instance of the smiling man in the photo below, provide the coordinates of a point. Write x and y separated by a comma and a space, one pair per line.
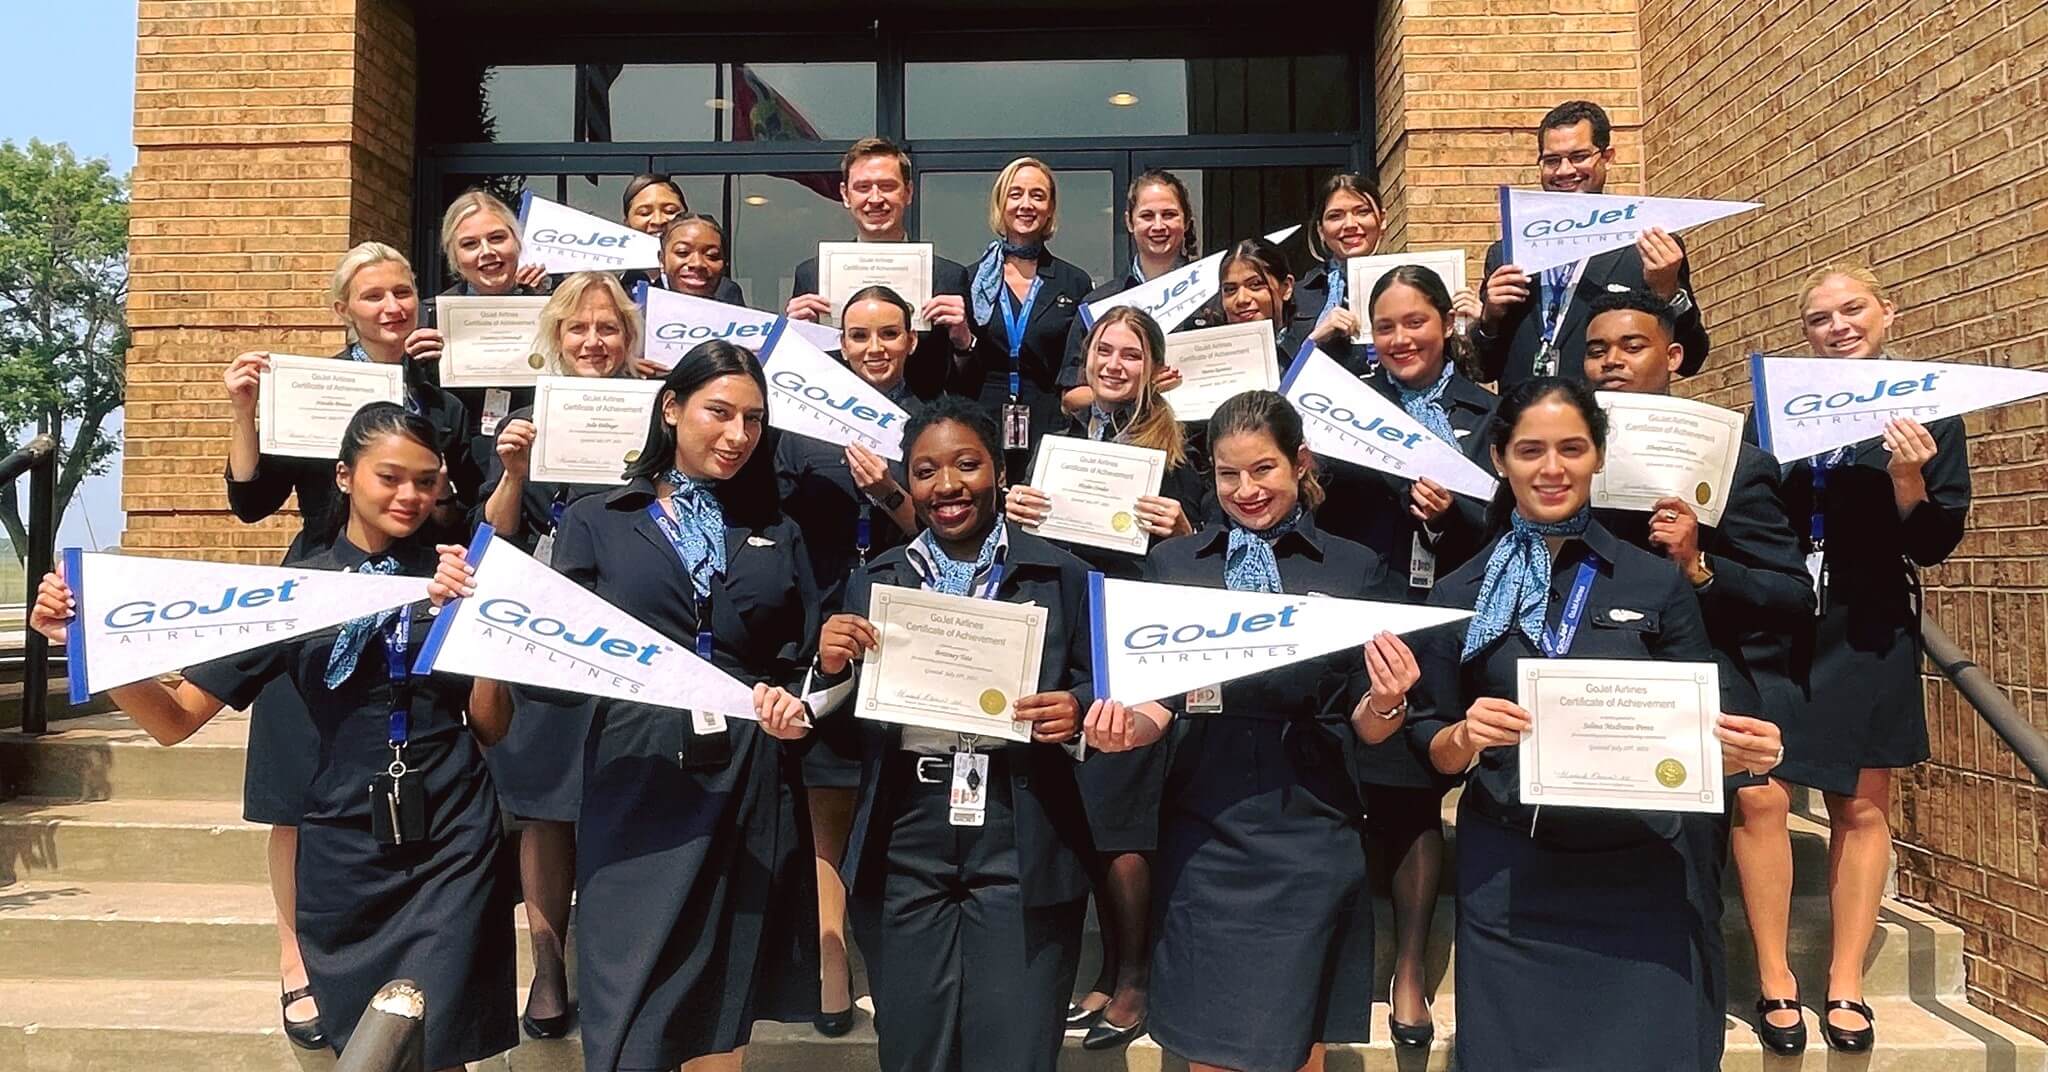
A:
1523, 317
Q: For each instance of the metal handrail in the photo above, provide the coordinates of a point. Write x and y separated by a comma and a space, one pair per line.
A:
1984, 694
38, 458
391, 1036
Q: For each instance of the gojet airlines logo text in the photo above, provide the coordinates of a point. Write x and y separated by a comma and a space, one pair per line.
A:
1884, 400
692, 334
1373, 433
595, 653
144, 621
1598, 223
1240, 636
820, 397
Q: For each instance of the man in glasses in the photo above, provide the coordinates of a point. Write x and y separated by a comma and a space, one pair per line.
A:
1533, 325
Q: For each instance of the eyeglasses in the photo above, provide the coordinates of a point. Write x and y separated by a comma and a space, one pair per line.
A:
1554, 161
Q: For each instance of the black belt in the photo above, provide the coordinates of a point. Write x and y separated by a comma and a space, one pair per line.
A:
924, 769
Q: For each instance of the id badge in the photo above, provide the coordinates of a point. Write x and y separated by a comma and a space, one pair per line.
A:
1817, 571
969, 798
1016, 426
544, 551
1546, 361
497, 405
1207, 700
706, 722
1421, 564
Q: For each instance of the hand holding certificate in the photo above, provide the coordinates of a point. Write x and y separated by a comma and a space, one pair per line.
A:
587, 430
1217, 363
1094, 490
1663, 447
489, 341
951, 663
904, 267
304, 404
1621, 733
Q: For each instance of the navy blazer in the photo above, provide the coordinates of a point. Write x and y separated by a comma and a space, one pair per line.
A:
1051, 827
930, 367
1507, 350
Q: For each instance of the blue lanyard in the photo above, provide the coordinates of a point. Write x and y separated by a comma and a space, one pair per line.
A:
1555, 647
395, 643
863, 531
675, 543
1014, 325
557, 508
1817, 527
1553, 302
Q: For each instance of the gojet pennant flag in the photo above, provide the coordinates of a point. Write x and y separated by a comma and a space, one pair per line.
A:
139, 617
1342, 417
812, 395
563, 239
528, 625
677, 323
1542, 229
1159, 640
1808, 405
1173, 297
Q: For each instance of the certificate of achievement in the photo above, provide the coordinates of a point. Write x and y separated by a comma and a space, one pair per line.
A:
1361, 274
1659, 446
304, 404
586, 430
904, 267
489, 341
951, 663
1094, 488
1620, 733
1216, 363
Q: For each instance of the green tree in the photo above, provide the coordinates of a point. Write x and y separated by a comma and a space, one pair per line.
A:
63, 322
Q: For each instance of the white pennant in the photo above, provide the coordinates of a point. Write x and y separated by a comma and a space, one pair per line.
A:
1158, 640
1808, 405
1543, 228
677, 322
563, 239
1173, 297
1343, 417
811, 394
528, 625
139, 617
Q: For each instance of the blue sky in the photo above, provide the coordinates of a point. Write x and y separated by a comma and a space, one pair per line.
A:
67, 70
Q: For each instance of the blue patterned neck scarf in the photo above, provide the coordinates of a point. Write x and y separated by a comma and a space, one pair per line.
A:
1516, 589
952, 577
1248, 563
701, 521
1427, 405
1107, 424
348, 647
1334, 272
988, 275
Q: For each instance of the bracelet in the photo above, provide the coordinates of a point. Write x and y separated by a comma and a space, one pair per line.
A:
1389, 715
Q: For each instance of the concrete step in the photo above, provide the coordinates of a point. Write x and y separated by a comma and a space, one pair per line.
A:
130, 1026
136, 840
106, 756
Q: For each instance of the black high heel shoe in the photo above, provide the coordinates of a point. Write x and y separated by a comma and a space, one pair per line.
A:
1079, 1017
1411, 1036
1107, 1036
836, 1024
1783, 1041
305, 1034
1842, 1039
547, 1027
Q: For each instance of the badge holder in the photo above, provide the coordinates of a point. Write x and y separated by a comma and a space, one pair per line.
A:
1421, 564
497, 406
1016, 426
398, 803
969, 795
1207, 700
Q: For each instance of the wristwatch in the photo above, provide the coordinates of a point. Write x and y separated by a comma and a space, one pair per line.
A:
1680, 303
890, 501
1701, 563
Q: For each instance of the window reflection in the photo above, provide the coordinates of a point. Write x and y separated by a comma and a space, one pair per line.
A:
1130, 98
602, 102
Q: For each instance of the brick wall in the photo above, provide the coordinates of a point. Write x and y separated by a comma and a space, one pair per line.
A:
1904, 133
270, 136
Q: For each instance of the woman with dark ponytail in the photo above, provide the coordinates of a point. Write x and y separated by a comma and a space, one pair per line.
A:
436, 910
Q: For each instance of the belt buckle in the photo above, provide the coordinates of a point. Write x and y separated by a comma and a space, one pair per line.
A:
937, 764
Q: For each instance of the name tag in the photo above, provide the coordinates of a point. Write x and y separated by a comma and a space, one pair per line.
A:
1421, 564
703, 722
544, 551
1207, 700
497, 405
969, 799
1817, 571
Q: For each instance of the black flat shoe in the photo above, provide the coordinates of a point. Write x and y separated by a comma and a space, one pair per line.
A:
1411, 1036
1079, 1017
1783, 1041
305, 1034
834, 1024
1107, 1036
1843, 1040
548, 1027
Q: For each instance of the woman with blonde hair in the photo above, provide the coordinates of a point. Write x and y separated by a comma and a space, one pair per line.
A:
1021, 300
377, 301
1124, 359
590, 329
1873, 513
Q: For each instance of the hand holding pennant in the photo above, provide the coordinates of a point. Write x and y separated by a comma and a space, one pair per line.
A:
1810, 405
1342, 417
563, 239
1159, 640
1543, 228
812, 395
525, 624
138, 617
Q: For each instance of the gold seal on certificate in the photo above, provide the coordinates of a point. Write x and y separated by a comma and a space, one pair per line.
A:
1621, 733
488, 341
304, 404
1094, 488
950, 663
904, 267
1663, 447
583, 427
1218, 363
1361, 274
